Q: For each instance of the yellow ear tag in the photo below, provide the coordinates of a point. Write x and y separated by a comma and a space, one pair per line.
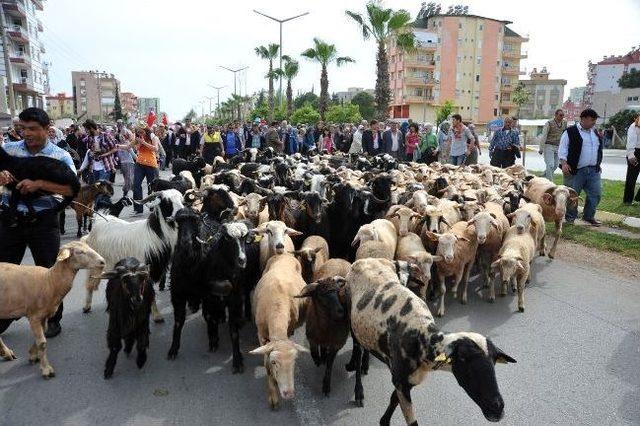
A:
442, 358
257, 238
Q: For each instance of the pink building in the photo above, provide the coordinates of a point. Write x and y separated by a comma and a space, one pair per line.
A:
469, 60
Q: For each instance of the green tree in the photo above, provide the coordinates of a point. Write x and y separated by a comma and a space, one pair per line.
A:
520, 96
190, 115
325, 54
630, 80
622, 120
443, 112
269, 53
261, 109
289, 72
381, 24
366, 104
305, 115
306, 98
117, 106
347, 113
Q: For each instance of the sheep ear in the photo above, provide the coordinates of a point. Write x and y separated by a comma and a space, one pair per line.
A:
547, 199
318, 250
262, 350
464, 239
503, 358
495, 223
493, 215
520, 265
355, 241
109, 275
412, 259
471, 222
300, 348
63, 255
432, 236
511, 215
496, 264
437, 258
242, 202
293, 232
308, 291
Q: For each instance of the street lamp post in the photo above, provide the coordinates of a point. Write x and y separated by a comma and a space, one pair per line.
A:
218, 90
280, 22
234, 82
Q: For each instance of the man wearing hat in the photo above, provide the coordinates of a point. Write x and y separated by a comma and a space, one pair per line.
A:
580, 154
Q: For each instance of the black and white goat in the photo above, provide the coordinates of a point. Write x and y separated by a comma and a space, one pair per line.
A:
130, 295
151, 239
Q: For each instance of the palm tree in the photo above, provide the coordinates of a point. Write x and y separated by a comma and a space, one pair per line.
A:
382, 23
270, 52
290, 70
324, 53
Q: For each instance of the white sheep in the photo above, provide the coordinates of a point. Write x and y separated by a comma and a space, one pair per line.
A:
410, 249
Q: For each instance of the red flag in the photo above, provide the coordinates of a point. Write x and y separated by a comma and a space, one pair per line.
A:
165, 120
151, 118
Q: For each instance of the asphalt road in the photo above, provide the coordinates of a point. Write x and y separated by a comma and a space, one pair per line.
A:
614, 164
577, 347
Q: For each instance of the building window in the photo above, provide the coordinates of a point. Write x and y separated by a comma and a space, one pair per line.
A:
458, 76
83, 83
460, 25
481, 28
479, 60
459, 59
497, 97
477, 77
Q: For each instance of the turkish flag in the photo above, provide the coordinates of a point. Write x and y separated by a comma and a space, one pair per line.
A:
165, 120
151, 118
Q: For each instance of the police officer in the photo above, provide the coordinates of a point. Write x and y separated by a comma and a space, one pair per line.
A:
40, 233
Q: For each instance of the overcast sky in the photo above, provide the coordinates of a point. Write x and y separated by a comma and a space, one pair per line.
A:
173, 49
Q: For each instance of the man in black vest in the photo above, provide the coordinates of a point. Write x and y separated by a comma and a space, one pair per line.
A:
580, 155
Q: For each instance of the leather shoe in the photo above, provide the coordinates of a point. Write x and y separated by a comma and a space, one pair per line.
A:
593, 222
53, 329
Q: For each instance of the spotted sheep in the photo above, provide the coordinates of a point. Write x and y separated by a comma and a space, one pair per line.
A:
397, 327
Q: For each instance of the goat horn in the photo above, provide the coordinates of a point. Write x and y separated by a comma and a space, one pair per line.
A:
150, 197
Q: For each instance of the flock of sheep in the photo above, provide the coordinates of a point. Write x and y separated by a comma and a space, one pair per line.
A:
352, 246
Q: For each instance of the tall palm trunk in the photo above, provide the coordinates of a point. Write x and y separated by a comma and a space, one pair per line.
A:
324, 91
383, 88
289, 98
271, 100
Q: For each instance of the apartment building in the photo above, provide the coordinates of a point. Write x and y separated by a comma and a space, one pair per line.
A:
347, 96
576, 94
94, 94
129, 103
470, 60
147, 104
603, 92
59, 106
24, 53
546, 95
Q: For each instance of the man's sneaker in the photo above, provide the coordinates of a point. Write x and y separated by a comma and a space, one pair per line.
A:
53, 329
593, 222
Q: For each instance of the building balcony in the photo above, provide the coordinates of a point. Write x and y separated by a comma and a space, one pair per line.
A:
20, 58
508, 88
419, 64
25, 85
38, 3
429, 47
17, 33
413, 99
13, 8
512, 71
419, 81
42, 49
40, 27
508, 104
511, 54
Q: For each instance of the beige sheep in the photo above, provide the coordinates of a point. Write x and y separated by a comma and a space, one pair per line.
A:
332, 268
313, 253
410, 249
379, 230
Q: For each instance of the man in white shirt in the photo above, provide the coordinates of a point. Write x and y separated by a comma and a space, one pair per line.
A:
580, 154
393, 141
633, 161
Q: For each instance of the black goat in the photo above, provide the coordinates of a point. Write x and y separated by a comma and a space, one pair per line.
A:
343, 225
129, 297
194, 164
36, 168
327, 324
178, 183
314, 219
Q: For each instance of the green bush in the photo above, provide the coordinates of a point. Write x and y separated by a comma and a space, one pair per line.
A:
347, 113
306, 115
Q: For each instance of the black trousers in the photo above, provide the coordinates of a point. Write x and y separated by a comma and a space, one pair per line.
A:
503, 158
43, 239
632, 177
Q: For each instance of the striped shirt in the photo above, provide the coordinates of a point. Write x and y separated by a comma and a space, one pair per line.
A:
46, 202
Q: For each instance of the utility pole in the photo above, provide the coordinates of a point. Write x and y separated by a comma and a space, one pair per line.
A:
280, 22
218, 90
210, 99
234, 82
7, 64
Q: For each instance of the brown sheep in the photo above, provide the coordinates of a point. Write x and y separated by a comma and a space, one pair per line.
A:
83, 203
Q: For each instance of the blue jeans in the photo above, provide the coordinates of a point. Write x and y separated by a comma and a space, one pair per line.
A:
587, 179
551, 160
457, 160
141, 173
100, 175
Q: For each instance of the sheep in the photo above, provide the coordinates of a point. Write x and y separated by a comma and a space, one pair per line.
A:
514, 262
378, 230
528, 218
490, 228
402, 219
313, 253
253, 207
151, 239
35, 292
458, 250
82, 204
554, 200
188, 176
129, 297
35, 168
332, 268
277, 314
410, 249
375, 249
327, 324
397, 327
276, 239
